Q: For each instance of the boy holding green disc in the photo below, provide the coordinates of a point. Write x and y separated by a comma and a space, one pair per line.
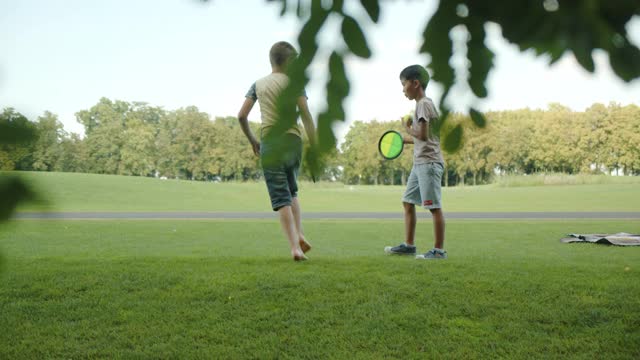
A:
423, 186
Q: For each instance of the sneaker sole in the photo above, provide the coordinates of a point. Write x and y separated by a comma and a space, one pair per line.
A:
387, 250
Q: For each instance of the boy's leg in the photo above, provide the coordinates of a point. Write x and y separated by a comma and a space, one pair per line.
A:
430, 180
409, 199
280, 177
297, 215
409, 223
292, 169
438, 228
288, 223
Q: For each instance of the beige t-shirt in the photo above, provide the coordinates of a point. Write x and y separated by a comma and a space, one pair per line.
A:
266, 91
426, 151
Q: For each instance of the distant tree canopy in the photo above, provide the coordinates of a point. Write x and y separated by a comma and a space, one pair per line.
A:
142, 140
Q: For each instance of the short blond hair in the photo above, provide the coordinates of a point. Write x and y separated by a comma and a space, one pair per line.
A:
281, 52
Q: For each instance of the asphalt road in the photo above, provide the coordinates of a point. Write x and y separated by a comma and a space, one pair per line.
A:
105, 215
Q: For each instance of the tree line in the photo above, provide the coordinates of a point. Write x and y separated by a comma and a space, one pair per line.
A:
137, 139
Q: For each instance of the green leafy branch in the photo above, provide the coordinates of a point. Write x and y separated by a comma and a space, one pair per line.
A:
15, 129
549, 27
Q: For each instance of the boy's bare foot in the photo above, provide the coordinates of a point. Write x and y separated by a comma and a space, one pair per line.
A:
298, 256
304, 246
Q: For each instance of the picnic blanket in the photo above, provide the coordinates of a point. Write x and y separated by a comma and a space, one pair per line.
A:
621, 239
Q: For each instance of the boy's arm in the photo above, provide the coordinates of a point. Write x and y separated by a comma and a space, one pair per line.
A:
420, 133
307, 120
243, 118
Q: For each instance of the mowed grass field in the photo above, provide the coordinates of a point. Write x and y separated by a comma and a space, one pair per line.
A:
214, 289
228, 289
89, 192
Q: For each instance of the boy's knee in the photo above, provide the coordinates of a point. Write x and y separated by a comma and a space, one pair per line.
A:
436, 211
409, 206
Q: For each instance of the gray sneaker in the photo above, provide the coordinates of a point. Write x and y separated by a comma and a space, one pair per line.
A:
402, 249
433, 254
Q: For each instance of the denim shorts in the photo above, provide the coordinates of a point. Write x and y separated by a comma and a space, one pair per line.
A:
423, 186
281, 159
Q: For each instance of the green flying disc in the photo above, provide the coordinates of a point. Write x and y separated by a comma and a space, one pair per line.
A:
390, 144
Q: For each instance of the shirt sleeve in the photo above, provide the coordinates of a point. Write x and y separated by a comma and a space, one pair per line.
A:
422, 114
427, 111
252, 94
432, 112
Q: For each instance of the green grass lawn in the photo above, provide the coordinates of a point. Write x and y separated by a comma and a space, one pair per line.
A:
86, 192
227, 289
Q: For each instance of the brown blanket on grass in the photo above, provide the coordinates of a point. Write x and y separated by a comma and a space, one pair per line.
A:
622, 239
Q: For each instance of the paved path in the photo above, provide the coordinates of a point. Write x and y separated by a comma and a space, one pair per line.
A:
104, 215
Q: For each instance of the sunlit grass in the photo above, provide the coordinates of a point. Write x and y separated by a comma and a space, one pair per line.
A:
552, 179
227, 289
87, 192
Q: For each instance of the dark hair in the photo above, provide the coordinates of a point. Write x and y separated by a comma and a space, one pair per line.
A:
416, 72
281, 52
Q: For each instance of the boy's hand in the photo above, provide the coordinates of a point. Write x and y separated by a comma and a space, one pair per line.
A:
407, 121
407, 140
255, 145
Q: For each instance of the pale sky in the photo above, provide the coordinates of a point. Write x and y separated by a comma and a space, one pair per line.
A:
64, 55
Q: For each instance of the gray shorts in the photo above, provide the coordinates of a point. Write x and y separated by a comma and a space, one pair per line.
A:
423, 186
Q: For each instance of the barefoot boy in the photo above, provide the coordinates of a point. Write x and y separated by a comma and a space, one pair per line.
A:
280, 155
